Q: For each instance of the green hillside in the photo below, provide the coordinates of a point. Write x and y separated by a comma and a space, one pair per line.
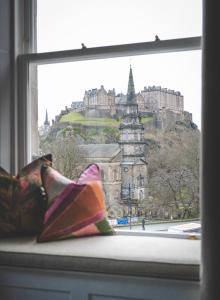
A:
78, 118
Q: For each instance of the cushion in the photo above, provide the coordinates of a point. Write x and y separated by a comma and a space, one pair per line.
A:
76, 208
8, 218
22, 200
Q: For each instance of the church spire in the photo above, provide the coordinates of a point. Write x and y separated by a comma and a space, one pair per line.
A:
131, 90
46, 122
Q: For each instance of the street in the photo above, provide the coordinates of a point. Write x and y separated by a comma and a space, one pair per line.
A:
156, 227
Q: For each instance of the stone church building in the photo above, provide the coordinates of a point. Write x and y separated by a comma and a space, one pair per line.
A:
123, 165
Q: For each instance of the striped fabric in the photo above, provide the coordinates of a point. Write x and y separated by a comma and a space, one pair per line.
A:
75, 208
91, 173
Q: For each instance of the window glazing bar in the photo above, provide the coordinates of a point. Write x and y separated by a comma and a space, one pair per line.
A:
155, 47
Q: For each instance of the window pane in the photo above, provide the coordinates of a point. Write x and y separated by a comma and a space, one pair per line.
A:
63, 25
138, 118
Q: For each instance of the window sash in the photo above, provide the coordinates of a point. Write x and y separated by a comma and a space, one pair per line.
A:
27, 61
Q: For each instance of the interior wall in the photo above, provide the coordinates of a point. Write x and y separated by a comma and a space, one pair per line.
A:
211, 152
17, 36
5, 84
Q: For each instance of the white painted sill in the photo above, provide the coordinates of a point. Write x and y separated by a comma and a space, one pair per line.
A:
145, 256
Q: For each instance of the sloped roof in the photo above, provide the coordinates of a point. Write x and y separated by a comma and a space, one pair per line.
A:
101, 150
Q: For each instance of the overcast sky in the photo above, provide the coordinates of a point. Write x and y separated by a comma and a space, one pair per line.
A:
65, 24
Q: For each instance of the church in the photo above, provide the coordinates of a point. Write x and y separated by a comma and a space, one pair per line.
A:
123, 165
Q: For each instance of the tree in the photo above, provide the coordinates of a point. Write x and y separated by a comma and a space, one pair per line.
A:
174, 172
68, 158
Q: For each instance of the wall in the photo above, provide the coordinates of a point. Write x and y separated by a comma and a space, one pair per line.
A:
38, 284
5, 84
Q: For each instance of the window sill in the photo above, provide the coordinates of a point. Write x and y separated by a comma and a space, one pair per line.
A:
145, 256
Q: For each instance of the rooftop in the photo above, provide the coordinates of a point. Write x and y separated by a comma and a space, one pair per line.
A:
101, 150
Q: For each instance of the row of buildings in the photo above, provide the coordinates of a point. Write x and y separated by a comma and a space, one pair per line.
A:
150, 99
165, 105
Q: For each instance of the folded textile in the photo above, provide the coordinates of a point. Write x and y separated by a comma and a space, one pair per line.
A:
22, 199
76, 208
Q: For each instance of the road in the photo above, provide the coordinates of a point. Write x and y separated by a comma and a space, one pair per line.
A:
157, 227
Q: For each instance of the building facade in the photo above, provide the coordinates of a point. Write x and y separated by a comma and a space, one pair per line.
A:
132, 144
166, 105
100, 100
157, 98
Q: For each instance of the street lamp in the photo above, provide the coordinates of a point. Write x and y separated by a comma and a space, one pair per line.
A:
129, 203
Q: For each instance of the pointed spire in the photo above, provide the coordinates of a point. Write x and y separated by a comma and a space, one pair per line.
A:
46, 122
131, 90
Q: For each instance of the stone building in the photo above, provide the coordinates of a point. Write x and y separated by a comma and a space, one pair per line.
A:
132, 144
77, 106
123, 165
101, 101
166, 105
156, 98
108, 157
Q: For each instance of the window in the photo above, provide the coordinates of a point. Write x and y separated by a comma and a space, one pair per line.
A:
172, 63
210, 124
105, 23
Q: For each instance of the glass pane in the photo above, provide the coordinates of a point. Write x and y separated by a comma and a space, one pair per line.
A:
63, 25
139, 119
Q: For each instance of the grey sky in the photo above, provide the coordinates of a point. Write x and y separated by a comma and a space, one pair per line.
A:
66, 24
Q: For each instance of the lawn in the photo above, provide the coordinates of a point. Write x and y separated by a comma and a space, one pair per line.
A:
75, 117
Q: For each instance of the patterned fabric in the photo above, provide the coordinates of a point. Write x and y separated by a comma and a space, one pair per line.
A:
22, 200
91, 173
8, 217
75, 208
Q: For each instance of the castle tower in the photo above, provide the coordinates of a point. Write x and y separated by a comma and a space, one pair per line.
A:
133, 164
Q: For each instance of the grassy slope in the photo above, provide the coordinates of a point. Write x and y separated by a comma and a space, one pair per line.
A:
75, 117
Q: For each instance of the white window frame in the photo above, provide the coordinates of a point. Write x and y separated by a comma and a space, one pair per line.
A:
209, 146
32, 58
26, 61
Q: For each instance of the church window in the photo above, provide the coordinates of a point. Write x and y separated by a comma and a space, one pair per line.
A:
102, 174
115, 175
125, 169
141, 195
126, 135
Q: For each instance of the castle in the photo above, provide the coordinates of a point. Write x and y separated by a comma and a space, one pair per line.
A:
165, 105
124, 164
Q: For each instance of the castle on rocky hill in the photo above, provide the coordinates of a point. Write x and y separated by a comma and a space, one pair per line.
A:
124, 164
166, 106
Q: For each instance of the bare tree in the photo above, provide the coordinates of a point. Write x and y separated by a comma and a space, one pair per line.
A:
68, 158
174, 172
